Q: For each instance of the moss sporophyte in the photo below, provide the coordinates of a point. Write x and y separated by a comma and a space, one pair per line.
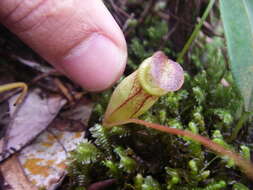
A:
157, 76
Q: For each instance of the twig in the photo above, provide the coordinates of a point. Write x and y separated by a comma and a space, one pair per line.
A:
124, 28
146, 11
64, 90
163, 15
171, 15
144, 14
208, 29
196, 31
44, 75
116, 8
167, 36
101, 184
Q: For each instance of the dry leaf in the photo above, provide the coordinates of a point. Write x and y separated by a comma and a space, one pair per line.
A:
14, 176
76, 118
29, 120
44, 161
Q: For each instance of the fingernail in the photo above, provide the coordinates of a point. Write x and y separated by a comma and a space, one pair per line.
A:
96, 63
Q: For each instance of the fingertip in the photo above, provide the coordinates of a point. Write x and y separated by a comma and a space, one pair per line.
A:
80, 38
96, 63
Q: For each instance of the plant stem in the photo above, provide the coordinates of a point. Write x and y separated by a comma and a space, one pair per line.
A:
239, 125
195, 31
11, 86
245, 165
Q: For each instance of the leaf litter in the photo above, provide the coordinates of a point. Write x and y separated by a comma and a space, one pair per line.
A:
41, 140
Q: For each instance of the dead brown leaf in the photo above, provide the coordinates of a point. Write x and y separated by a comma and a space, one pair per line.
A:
14, 176
29, 120
76, 118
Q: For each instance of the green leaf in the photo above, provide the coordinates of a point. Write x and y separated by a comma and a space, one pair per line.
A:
237, 16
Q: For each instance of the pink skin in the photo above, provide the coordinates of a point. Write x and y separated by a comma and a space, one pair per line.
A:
78, 37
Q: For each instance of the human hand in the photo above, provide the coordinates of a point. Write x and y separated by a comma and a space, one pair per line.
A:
78, 37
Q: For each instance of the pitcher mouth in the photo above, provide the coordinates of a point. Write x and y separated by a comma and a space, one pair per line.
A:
159, 75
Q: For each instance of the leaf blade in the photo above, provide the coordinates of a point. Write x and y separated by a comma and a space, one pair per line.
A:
237, 19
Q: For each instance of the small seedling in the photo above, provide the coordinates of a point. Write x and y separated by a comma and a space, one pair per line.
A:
155, 77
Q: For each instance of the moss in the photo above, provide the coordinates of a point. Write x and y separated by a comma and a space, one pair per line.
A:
143, 159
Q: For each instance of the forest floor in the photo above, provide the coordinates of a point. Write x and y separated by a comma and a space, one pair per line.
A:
134, 157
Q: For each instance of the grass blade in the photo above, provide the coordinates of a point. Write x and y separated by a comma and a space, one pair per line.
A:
237, 16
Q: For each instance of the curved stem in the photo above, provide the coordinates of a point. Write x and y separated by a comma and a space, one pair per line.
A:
245, 165
195, 31
11, 86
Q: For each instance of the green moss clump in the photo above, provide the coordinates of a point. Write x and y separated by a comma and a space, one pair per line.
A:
145, 159
141, 158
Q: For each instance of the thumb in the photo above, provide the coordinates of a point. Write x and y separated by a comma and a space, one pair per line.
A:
78, 37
